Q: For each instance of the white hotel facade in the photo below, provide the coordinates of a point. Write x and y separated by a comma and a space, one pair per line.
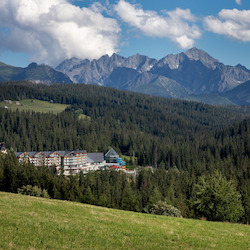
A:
71, 161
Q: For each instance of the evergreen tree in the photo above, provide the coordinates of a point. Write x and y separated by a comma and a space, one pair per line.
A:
217, 199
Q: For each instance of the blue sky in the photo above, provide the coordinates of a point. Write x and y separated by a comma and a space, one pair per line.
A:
49, 31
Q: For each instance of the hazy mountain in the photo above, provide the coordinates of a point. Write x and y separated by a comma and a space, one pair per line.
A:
96, 71
193, 75
191, 72
242, 67
199, 72
146, 82
34, 72
239, 95
7, 72
139, 63
123, 76
158, 85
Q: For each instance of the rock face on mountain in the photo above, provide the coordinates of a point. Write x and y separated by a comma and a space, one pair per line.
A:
192, 75
191, 72
199, 72
146, 82
239, 95
97, 71
34, 72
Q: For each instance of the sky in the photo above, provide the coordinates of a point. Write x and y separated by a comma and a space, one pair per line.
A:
50, 31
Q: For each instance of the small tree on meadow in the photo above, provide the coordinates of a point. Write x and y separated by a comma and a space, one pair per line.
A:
217, 199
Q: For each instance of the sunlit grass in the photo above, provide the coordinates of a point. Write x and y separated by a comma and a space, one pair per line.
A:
36, 106
29, 222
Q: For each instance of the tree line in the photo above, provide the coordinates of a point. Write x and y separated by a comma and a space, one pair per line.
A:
160, 192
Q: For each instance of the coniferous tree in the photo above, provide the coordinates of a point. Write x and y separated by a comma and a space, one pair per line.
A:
217, 199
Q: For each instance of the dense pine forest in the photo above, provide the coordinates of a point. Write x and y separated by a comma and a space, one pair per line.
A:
191, 147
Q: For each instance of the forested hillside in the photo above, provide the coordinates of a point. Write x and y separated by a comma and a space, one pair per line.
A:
184, 141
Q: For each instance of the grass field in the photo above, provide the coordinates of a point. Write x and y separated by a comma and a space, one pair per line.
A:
34, 223
36, 106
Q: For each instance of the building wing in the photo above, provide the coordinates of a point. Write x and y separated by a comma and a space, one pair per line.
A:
95, 158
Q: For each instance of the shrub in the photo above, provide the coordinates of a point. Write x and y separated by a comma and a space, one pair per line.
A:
33, 191
163, 208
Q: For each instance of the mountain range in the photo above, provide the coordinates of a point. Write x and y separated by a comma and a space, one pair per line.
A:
191, 75
34, 72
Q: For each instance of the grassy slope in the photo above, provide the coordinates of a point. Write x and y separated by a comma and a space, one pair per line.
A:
36, 106
30, 222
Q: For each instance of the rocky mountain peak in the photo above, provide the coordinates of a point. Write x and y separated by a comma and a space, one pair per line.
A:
117, 60
140, 63
172, 61
239, 66
194, 70
200, 55
32, 65
68, 64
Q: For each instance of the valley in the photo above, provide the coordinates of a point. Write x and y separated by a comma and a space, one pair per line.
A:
182, 141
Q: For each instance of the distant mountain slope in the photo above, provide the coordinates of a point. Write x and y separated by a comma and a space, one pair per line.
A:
7, 72
34, 72
123, 76
159, 86
198, 71
146, 82
192, 75
195, 71
240, 95
97, 71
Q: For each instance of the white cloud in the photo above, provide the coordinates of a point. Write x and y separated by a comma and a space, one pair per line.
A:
52, 30
234, 24
238, 2
175, 25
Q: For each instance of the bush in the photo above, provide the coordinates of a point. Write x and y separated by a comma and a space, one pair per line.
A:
33, 191
163, 208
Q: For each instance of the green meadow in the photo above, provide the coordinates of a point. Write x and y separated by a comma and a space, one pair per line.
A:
34, 223
36, 106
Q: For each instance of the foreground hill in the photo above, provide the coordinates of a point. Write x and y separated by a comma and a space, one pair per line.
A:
30, 222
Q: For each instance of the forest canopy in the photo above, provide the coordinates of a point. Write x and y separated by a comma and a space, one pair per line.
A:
182, 140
